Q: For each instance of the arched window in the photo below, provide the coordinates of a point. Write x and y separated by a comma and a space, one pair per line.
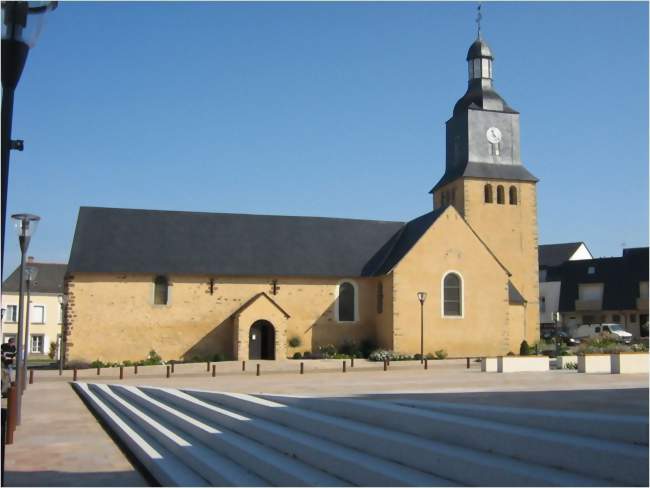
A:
501, 196
513, 195
160, 290
347, 302
452, 295
488, 193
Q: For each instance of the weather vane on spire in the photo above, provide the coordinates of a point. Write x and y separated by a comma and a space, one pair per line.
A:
478, 20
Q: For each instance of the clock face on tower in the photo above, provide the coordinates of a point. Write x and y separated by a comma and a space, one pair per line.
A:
493, 135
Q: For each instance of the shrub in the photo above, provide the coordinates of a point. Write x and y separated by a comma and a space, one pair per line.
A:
127, 363
602, 343
441, 354
429, 356
350, 348
296, 355
524, 348
366, 347
216, 357
327, 350
97, 364
52, 351
641, 347
295, 341
382, 354
510, 353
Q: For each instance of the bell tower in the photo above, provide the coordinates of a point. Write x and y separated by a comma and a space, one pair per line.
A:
488, 184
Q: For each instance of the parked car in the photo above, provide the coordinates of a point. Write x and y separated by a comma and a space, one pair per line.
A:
563, 337
590, 330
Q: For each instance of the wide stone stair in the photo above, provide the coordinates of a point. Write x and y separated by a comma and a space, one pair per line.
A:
204, 438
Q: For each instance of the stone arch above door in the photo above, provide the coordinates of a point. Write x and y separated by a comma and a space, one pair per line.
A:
259, 307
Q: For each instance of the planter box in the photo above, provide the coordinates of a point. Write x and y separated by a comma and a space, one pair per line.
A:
594, 363
489, 365
515, 364
630, 363
561, 361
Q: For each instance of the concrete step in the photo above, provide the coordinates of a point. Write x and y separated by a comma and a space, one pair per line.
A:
216, 469
353, 466
623, 428
267, 464
575, 453
465, 466
158, 461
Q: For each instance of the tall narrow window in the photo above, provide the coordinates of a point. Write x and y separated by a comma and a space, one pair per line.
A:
380, 297
513, 195
501, 197
452, 296
488, 193
160, 291
346, 302
542, 304
453, 195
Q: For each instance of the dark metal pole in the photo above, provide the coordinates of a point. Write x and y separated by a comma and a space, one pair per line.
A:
62, 340
20, 346
14, 55
421, 332
27, 338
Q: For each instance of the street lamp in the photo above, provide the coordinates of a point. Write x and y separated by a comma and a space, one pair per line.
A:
25, 226
21, 24
63, 301
30, 276
422, 296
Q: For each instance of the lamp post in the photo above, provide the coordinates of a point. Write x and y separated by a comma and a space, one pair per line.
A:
25, 226
30, 276
63, 301
422, 296
21, 24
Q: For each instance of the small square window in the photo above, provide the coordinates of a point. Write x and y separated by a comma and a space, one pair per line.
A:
591, 270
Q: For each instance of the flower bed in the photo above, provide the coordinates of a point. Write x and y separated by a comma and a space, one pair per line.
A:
594, 363
516, 364
629, 363
489, 365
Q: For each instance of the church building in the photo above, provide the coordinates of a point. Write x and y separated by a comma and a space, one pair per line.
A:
191, 284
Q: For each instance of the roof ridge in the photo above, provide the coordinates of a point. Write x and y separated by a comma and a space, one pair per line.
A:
242, 214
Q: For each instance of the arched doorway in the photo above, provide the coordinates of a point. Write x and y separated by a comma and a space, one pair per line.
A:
261, 340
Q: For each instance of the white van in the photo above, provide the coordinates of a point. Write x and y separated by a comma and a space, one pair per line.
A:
589, 330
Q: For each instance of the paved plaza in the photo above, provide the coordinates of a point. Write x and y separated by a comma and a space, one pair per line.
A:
60, 443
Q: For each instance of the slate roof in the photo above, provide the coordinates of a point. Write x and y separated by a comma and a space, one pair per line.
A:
619, 275
110, 240
556, 254
48, 280
515, 172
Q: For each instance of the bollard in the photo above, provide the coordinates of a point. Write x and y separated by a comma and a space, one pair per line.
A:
168, 371
302, 368
467, 363
31, 376
173, 367
388, 361
121, 372
11, 414
207, 366
74, 374
135, 369
214, 371
344, 366
426, 363
258, 370
98, 370
352, 362
385, 365
243, 365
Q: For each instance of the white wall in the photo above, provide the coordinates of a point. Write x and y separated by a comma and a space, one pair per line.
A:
550, 290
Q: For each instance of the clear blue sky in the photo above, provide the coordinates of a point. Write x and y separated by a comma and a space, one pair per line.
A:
326, 109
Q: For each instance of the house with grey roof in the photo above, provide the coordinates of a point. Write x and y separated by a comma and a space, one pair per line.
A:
45, 313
